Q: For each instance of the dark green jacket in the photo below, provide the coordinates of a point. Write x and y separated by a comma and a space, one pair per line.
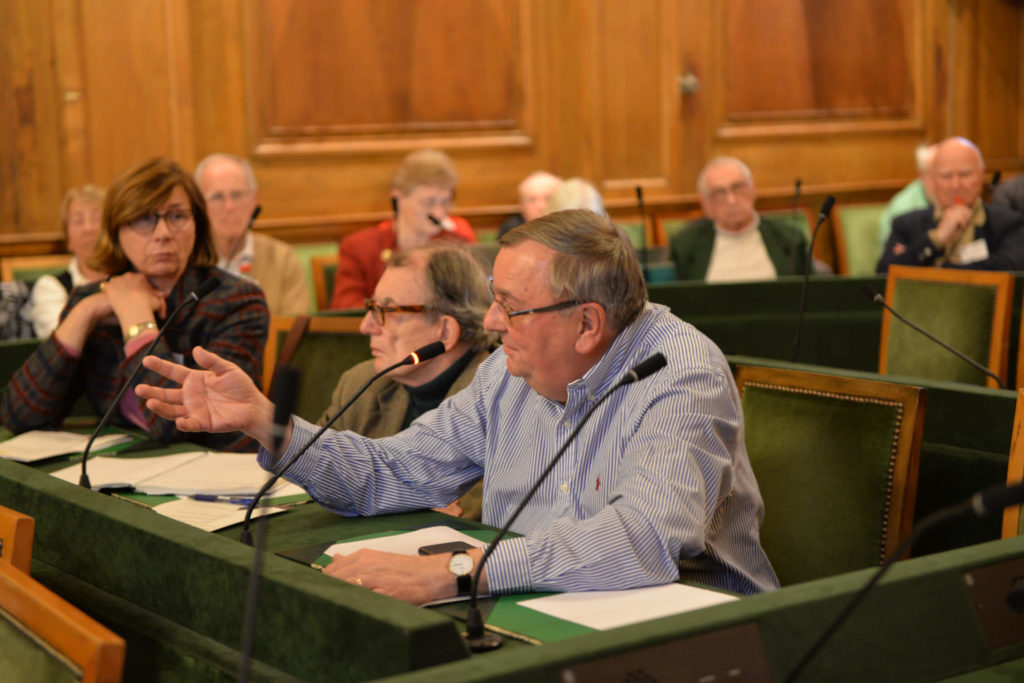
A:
691, 247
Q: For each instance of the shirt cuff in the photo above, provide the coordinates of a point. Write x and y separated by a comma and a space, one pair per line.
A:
302, 432
508, 567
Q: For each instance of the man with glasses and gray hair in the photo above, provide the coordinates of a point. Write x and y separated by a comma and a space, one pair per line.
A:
658, 485
437, 292
232, 202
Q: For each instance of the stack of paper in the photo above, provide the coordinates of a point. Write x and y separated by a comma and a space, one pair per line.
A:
187, 474
40, 444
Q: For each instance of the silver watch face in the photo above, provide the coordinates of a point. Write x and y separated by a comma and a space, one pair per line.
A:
460, 564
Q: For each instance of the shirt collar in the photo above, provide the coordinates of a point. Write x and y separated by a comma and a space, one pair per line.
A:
610, 368
241, 264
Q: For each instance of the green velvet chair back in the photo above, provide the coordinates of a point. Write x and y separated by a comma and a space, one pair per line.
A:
44, 638
836, 460
1013, 520
323, 349
306, 254
856, 232
967, 309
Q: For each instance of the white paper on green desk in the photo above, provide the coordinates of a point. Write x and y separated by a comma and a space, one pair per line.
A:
603, 610
40, 444
113, 472
208, 515
188, 474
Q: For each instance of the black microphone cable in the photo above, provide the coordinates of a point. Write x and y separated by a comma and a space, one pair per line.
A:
826, 209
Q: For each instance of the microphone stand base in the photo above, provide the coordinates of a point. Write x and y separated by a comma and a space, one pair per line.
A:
486, 642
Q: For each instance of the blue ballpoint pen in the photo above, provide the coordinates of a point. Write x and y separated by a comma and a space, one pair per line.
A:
212, 498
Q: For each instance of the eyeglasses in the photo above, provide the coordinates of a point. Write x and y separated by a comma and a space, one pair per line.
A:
509, 314
718, 194
175, 219
221, 197
378, 311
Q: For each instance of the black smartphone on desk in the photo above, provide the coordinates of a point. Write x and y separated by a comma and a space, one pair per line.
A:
444, 548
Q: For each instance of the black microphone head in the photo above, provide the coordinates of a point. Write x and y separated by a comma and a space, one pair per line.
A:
394, 205
650, 366
206, 286
435, 220
872, 293
640, 195
997, 497
826, 207
286, 392
646, 367
424, 353
996, 177
797, 185
255, 213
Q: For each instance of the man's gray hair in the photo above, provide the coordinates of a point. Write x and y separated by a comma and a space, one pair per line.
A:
457, 286
702, 187
250, 177
594, 261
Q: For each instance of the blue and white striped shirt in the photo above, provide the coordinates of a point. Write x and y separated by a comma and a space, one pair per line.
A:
656, 485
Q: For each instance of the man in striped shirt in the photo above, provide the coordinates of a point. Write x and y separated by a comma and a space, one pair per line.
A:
656, 486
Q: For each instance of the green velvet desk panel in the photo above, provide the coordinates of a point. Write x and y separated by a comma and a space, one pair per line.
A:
965, 448
919, 625
842, 328
310, 626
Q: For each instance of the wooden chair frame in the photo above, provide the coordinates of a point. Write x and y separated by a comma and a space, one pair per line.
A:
283, 324
316, 264
16, 532
10, 264
94, 650
905, 459
999, 344
1015, 469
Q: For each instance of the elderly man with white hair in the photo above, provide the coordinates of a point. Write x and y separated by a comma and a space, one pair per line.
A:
961, 231
534, 193
232, 202
733, 242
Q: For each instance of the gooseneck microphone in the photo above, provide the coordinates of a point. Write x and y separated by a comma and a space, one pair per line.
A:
871, 293
204, 288
255, 214
478, 639
996, 177
826, 209
420, 355
286, 391
643, 226
981, 504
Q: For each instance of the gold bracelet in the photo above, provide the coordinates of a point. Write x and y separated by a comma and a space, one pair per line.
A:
135, 330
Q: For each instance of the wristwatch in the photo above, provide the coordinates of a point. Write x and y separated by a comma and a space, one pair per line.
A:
461, 565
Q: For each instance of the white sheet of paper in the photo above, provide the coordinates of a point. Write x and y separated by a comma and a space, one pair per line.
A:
406, 544
603, 610
40, 444
228, 474
209, 516
112, 472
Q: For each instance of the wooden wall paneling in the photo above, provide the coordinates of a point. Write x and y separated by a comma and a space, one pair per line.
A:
632, 71
30, 177
76, 143
999, 76
218, 57
129, 83
695, 45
